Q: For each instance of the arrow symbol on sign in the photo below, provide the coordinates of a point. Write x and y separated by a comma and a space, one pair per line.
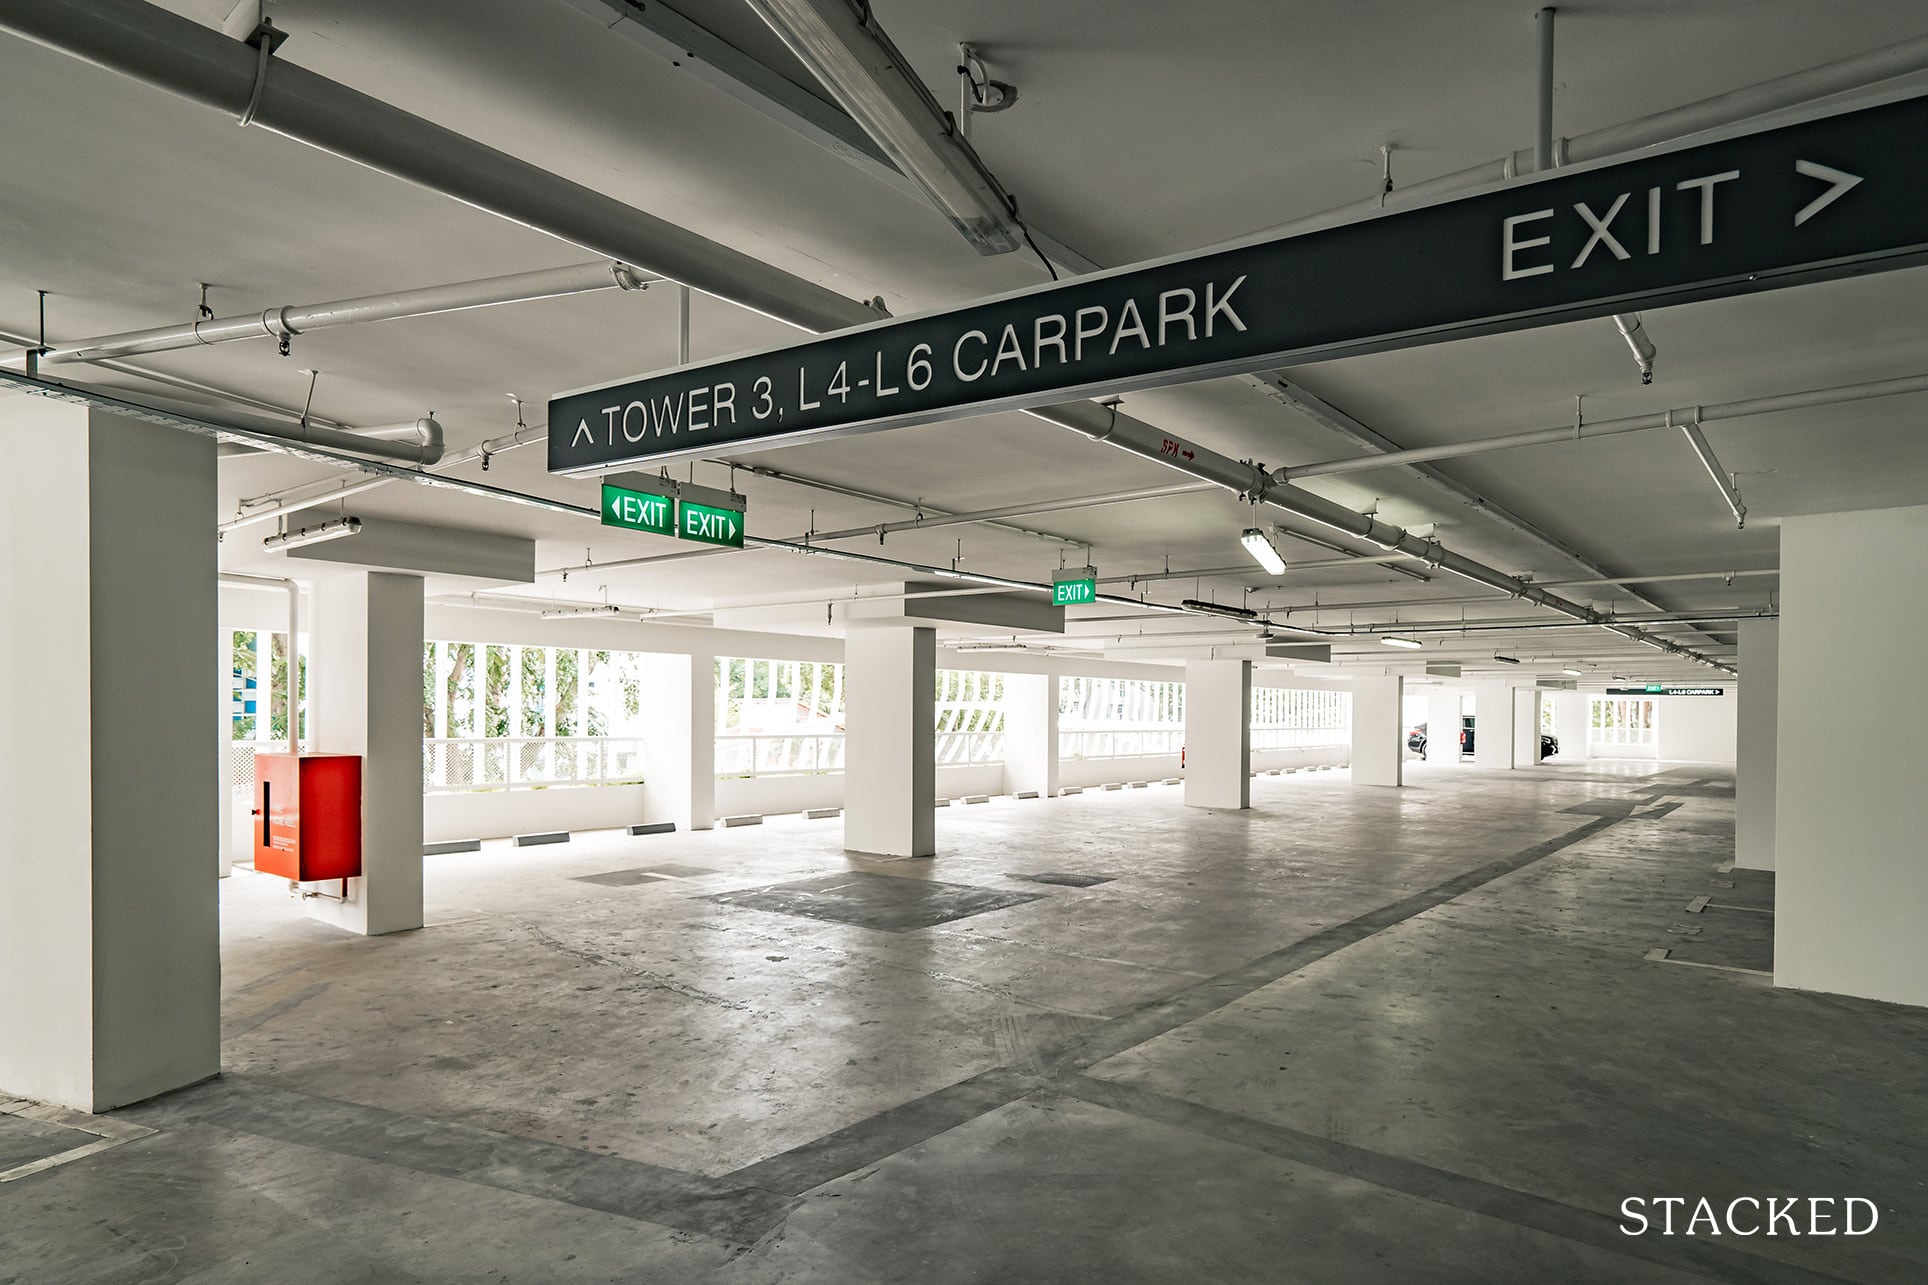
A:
1840, 179
732, 528
1188, 455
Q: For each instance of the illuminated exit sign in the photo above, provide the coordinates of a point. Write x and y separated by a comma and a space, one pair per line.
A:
681, 510
709, 524
638, 510
1075, 590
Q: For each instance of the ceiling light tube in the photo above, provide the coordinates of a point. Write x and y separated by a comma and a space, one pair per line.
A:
844, 48
1573, 673
333, 529
1263, 551
1411, 644
578, 613
1506, 660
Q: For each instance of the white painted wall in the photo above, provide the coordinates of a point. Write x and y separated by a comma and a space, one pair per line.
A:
1698, 729
109, 940
1757, 717
1851, 813
1571, 712
1442, 726
1492, 727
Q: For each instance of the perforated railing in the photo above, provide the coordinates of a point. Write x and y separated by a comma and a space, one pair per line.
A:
1118, 743
764, 755
523, 763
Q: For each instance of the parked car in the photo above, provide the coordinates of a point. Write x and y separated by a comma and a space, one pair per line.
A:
1416, 740
1549, 746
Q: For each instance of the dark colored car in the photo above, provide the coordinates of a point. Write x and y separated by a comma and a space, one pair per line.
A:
1549, 745
1416, 740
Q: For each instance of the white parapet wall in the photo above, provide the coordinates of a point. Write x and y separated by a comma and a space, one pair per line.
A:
496, 814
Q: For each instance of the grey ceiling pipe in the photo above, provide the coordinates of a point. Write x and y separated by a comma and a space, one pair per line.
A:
1680, 417
162, 49
1104, 423
286, 322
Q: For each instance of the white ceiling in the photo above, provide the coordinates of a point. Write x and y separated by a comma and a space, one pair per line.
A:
1143, 128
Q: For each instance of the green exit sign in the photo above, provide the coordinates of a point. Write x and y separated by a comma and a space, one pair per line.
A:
709, 524
1074, 593
637, 510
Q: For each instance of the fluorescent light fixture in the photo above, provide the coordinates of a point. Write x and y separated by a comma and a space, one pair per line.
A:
988, 646
1573, 673
1411, 644
1216, 609
577, 613
1263, 551
844, 48
333, 529
1506, 660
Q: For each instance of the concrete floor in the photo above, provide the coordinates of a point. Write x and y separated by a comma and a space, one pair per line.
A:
1353, 1034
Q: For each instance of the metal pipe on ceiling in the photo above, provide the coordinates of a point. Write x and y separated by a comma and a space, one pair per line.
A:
923, 521
1662, 579
1862, 72
297, 319
1678, 418
1728, 491
1544, 159
149, 44
1106, 424
177, 54
273, 506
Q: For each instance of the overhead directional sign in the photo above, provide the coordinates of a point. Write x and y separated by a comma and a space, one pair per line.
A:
1661, 689
1823, 198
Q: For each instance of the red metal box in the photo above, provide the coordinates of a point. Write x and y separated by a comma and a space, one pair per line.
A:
308, 816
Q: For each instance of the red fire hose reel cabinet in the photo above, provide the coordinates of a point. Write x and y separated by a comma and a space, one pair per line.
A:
308, 816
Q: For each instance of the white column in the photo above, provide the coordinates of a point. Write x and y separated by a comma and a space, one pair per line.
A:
1031, 733
679, 739
1493, 727
1526, 726
1378, 741
1218, 733
1442, 726
1755, 748
366, 699
223, 737
1571, 711
109, 780
1850, 811
890, 741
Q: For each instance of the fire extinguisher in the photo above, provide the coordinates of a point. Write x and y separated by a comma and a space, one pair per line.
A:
1181, 758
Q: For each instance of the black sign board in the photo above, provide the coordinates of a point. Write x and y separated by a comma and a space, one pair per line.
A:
1823, 198
1655, 689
